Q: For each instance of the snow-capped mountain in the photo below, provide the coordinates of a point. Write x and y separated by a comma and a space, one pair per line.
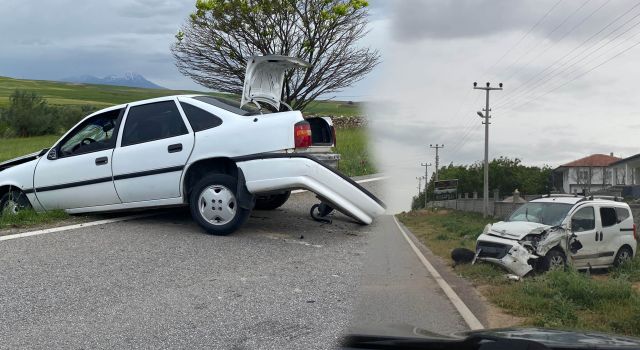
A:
128, 79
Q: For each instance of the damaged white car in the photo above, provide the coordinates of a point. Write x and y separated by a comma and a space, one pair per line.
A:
218, 157
556, 230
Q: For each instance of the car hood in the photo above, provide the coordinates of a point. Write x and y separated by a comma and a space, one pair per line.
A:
516, 229
19, 160
264, 77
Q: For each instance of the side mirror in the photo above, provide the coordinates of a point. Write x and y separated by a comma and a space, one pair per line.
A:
53, 154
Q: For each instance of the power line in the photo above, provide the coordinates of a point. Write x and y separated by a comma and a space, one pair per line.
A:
578, 76
509, 98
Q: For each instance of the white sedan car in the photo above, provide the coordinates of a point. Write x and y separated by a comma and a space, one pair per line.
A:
200, 151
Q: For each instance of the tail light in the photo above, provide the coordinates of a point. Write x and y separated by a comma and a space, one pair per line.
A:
635, 232
333, 135
302, 134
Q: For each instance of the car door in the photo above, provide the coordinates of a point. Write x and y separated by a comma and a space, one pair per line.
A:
609, 232
77, 171
153, 148
584, 226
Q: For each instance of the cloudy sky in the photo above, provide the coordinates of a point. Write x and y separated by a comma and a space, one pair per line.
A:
554, 108
569, 69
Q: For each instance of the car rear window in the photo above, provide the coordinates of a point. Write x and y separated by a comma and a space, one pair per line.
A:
608, 217
199, 118
623, 214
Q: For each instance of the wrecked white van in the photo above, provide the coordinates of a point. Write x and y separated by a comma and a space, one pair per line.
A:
556, 230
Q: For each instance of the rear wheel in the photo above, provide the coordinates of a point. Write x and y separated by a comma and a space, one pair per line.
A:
271, 202
554, 260
13, 202
214, 205
624, 254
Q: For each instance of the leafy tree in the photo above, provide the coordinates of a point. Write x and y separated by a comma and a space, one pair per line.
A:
213, 46
504, 174
28, 114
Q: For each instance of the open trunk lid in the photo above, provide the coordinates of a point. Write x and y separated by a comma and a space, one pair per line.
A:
264, 78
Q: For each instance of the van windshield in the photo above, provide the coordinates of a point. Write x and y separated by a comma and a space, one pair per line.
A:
550, 214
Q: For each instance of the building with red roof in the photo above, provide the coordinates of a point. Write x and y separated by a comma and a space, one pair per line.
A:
585, 175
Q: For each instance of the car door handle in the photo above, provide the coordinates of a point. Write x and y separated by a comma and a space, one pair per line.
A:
102, 161
601, 232
175, 148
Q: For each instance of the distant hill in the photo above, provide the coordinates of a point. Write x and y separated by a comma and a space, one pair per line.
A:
128, 79
78, 94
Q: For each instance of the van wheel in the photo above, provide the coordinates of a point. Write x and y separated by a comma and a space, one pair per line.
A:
554, 260
214, 205
13, 202
271, 202
624, 254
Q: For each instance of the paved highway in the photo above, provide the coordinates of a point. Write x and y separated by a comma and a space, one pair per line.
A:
283, 282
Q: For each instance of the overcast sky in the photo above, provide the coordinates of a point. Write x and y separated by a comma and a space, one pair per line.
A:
434, 50
553, 109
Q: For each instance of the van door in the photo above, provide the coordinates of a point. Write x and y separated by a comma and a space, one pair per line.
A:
584, 226
609, 233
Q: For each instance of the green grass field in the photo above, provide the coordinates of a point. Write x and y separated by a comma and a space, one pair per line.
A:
558, 299
15, 147
353, 146
61, 93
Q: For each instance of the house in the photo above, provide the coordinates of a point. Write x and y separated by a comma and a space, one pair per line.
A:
586, 174
626, 172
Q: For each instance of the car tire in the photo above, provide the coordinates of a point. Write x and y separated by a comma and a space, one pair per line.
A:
624, 254
226, 216
14, 201
554, 260
271, 202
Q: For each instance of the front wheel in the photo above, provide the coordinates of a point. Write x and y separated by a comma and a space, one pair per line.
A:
214, 205
13, 202
554, 260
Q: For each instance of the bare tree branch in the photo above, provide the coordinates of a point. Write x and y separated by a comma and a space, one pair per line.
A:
214, 45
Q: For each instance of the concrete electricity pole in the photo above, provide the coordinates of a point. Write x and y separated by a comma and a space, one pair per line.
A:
486, 123
437, 147
426, 181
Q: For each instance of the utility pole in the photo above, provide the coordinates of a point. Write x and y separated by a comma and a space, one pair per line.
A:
426, 181
486, 123
437, 147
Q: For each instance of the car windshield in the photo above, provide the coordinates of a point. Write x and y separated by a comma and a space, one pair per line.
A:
230, 105
550, 214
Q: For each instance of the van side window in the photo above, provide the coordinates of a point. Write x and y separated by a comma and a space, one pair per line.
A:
608, 217
583, 220
623, 214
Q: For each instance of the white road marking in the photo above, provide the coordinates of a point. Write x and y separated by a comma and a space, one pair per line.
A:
464, 311
74, 227
359, 181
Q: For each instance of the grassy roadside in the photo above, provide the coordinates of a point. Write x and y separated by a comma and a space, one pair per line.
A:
560, 299
353, 146
29, 218
15, 147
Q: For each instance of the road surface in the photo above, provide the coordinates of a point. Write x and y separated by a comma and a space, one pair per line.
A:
282, 282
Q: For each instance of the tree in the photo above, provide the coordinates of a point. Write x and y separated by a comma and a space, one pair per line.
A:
212, 48
28, 114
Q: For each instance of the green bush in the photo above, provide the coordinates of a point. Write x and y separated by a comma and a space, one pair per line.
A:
29, 114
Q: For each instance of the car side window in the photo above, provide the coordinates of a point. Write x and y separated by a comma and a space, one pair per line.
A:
583, 220
95, 134
199, 118
622, 214
153, 121
608, 216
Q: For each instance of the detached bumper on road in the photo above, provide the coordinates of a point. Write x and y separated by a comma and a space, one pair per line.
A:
272, 172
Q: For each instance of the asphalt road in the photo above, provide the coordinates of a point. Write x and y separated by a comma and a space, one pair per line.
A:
282, 282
